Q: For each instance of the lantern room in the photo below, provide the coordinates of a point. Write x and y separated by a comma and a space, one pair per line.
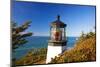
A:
57, 30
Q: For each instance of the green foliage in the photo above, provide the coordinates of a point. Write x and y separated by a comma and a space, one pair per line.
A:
84, 50
34, 56
18, 35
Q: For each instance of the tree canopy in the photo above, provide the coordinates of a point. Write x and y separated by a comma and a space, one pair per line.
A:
19, 35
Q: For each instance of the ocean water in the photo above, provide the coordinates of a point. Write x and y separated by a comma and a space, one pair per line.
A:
39, 42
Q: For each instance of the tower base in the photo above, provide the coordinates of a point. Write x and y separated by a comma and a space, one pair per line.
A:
54, 51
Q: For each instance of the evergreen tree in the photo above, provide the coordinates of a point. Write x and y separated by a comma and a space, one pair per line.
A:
18, 35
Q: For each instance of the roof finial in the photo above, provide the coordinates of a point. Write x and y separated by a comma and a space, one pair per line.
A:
58, 17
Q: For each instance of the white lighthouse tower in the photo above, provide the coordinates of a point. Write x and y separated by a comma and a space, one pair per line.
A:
57, 42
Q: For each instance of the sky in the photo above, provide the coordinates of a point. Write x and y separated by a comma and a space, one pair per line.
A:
77, 17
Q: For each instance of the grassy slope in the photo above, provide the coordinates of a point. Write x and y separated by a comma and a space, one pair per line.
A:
84, 50
33, 57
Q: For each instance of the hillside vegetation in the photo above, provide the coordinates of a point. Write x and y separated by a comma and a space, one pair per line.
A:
84, 50
35, 56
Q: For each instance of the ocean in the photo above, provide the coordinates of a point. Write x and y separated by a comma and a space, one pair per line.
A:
39, 42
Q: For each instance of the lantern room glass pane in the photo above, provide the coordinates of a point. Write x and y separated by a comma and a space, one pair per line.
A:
57, 34
52, 31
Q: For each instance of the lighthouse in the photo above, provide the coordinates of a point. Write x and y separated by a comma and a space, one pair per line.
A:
57, 41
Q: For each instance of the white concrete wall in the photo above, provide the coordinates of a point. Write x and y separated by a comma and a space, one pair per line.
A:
52, 52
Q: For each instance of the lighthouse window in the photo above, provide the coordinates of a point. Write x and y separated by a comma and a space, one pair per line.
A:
58, 34
52, 32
